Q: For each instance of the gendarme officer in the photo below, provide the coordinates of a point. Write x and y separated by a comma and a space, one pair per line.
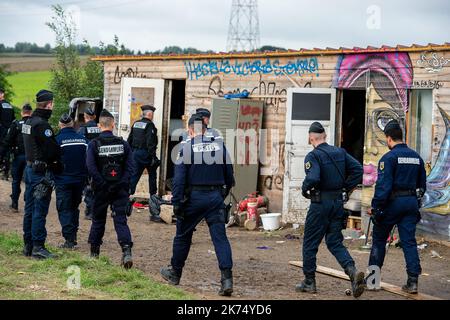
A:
203, 178
400, 186
143, 140
110, 165
6, 119
43, 157
331, 173
13, 143
90, 130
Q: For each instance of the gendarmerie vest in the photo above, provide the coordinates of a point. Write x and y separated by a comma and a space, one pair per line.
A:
110, 156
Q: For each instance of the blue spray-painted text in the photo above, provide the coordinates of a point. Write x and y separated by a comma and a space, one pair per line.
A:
197, 70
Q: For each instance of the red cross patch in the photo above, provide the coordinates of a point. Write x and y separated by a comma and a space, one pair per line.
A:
113, 173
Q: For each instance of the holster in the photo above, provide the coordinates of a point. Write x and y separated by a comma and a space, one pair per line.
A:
44, 188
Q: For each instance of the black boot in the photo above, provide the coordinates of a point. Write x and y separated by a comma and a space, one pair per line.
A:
40, 252
69, 244
226, 281
307, 285
411, 285
95, 251
14, 206
171, 275
358, 280
27, 249
127, 259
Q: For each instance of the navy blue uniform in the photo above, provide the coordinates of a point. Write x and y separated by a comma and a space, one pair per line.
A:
110, 165
400, 172
6, 119
143, 140
201, 171
326, 217
40, 147
90, 131
70, 183
14, 142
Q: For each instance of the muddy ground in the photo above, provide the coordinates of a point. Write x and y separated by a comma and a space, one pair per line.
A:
258, 274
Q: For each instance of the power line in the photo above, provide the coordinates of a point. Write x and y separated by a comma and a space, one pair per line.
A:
243, 30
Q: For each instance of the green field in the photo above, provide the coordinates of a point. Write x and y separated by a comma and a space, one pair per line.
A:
27, 84
26, 278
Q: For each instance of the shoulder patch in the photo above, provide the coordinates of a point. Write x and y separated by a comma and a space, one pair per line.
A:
308, 165
382, 165
26, 129
139, 125
48, 133
405, 160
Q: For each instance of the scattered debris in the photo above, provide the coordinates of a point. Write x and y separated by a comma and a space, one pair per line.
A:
352, 233
280, 241
211, 252
295, 226
292, 237
348, 238
363, 237
422, 246
264, 248
434, 254
425, 274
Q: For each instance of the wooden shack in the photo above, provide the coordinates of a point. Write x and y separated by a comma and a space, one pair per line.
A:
353, 92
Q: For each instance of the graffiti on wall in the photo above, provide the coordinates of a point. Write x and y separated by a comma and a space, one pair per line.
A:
387, 77
432, 62
427, 84
128, 73
437, 197
300, 67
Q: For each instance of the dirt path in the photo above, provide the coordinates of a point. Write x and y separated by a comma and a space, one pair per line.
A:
259, 274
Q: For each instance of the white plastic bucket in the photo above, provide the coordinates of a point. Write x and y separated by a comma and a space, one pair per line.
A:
271, 221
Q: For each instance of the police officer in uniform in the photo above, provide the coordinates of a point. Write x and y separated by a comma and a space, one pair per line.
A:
70, 183
42, 153
203, 178
331, 173
110, 165
14, 143
400, 186
211, 133
90, 131
6, 119
143, 139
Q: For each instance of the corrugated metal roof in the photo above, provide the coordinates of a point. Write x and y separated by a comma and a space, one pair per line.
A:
287, 53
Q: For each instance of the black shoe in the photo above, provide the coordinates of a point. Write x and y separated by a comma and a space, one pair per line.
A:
307, 285
226, 281
127, 260
14, 206
155, 218
411, 285
27, 249
170, 275
40, 252
68, 244
95, 251
358, 281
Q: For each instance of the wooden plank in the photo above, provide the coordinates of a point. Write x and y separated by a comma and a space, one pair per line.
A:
385, 286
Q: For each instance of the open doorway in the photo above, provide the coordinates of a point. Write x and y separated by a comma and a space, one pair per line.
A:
177, 109
353, 122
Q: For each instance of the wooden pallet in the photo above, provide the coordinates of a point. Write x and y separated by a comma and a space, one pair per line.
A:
384, 286
354, 222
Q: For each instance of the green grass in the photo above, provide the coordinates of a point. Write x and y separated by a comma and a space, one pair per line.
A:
26, 278
27, 84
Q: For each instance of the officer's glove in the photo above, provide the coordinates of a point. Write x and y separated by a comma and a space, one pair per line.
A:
178, 211
377, 216
345, 196
129, 207
43, 189
155, 162
306, 194
39, 167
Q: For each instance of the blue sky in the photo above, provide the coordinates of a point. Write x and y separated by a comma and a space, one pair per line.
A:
153, 24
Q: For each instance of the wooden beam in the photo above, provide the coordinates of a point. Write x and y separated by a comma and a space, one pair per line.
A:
385, 286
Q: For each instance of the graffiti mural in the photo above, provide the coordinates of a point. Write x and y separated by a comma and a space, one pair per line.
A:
197, 70
437, 198
431, 62
387, 78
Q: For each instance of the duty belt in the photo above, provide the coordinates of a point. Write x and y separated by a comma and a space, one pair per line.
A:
330, 194
402, 193
205, 188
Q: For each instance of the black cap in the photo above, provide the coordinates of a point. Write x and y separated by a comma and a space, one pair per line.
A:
146, 107
106, 114
44, 95
203, 112
392, 125
89, 111
316, 127
65, 118
27, 107
195, 118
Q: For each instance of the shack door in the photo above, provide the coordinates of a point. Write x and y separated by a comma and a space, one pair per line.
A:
134, 93
304, 106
